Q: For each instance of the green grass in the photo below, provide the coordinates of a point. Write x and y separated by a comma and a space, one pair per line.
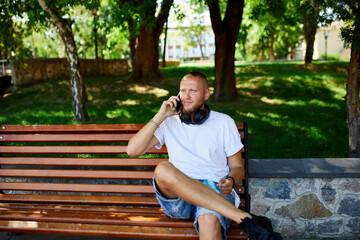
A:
293, 110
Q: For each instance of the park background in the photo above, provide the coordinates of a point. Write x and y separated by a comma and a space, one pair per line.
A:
290, 86
294, 110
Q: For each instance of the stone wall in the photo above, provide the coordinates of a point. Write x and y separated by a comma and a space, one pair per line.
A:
308, 208
32, 71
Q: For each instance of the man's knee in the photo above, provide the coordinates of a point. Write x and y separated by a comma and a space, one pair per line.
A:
164, 173
209, 222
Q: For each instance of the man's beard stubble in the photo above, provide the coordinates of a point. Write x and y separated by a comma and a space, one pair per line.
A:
192, 110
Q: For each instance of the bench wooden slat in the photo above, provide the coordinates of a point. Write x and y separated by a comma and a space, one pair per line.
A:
86, 137
79, 208
110, 188
81, 161
71, 128
141, 218
80, 199
72, 150
113, 137
99, 188
54, 173
108, 230
80, 128
130, 219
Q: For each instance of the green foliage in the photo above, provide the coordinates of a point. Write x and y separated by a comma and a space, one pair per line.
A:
141, 12
11, 32
349, 12
36, 36
265, 20
293, 110
112, 36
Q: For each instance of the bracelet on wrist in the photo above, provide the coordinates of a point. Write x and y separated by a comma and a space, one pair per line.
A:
233, 179
155, 123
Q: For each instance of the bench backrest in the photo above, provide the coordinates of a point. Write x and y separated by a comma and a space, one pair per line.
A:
79, 160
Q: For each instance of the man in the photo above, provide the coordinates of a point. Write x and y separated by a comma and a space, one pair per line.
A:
204, 149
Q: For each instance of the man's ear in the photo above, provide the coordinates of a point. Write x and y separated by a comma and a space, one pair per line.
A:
207, 94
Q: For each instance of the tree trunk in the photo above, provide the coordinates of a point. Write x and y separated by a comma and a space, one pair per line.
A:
164, 50
310, 27
95, 23
76, 79
352, 103
225, 81
145, 57
226, 32
272, 52
310, 32
144, 47
1, 52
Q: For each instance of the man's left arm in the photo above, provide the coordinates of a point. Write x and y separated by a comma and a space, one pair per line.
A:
237, 173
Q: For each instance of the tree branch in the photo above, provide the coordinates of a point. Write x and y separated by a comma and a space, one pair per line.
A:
215, 16
55, 17
233, 15
162, 16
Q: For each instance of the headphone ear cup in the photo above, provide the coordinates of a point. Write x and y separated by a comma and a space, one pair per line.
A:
199, 116
185, 118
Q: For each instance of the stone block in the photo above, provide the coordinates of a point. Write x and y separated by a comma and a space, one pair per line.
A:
279, 190
349, 206
330, 227
328, 194
353, 225
292, 229
308, 207
260, 209
350, 185
305, 186
310, 227
259, 182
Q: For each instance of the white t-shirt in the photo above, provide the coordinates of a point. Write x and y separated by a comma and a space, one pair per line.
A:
200, 151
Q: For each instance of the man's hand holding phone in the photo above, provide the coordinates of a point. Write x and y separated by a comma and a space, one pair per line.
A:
167, 107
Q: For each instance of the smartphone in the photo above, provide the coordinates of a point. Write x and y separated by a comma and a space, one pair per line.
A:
178, 104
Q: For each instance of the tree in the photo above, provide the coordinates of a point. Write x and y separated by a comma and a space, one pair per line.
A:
226, 32
277, 23
145, 27
76, 78
242, 39
112, 34
314, 13
349, 12
11, 32
270, 15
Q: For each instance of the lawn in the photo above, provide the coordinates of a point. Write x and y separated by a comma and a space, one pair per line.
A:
293, 110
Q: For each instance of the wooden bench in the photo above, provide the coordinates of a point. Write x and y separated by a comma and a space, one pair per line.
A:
78, 180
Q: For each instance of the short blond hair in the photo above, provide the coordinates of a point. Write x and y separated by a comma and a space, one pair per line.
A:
199, 75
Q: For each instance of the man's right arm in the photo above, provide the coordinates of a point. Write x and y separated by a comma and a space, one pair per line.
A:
144, 140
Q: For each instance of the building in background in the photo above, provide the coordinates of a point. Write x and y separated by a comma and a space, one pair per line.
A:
178, 47
328, 44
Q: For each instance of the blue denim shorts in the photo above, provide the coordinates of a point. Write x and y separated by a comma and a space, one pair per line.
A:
178, 208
